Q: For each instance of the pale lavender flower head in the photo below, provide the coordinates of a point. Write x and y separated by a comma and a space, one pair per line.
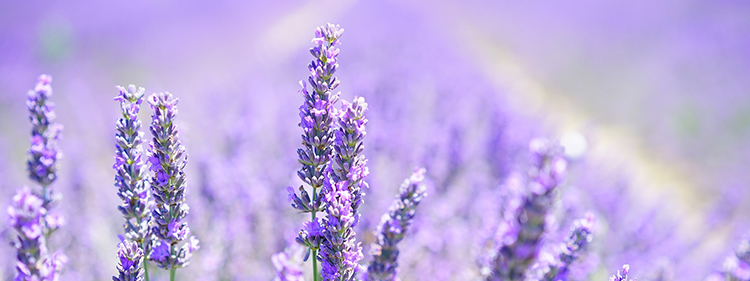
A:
348, 163
130, 267
393, 227
129, 170
44, 151
33, 261
340, 252
167, 159
551, 268
288, 264
621, 275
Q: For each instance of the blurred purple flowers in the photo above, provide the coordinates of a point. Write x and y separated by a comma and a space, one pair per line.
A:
393, 226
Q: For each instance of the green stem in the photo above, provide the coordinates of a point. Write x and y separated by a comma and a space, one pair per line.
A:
171, 274
315, 252
145, 268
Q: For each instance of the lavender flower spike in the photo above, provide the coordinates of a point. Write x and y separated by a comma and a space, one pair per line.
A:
27, 217
393, 226
340, 252
348, 163
621, 275
167, 160
44, 151
129, 171
580, 237
317, 117
131, 257
522, 233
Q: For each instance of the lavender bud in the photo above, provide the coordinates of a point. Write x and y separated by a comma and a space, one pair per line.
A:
167, 158
129, 171
130, 267
393, 227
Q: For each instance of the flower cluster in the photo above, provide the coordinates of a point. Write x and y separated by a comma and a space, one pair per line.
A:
129, 170
167, 160
522, 229
34, 261
393, 226
317, 116
130, 256
44, 151
342, 190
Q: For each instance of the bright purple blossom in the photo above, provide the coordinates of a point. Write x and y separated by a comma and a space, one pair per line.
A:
130, 173
168, 158
393, 227
130, 255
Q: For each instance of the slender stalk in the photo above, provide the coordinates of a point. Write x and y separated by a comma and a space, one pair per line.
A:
171, 274
314, 252
145, 268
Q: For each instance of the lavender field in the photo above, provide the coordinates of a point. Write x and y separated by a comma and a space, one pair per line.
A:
405, 140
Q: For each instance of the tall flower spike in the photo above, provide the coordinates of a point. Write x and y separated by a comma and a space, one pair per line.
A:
131, 257
340, 252
521, 234
317, 115
33, 260
393, 227
129, 171
167, 159
621, 275
44, 152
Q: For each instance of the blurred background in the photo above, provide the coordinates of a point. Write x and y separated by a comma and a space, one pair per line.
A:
651, 100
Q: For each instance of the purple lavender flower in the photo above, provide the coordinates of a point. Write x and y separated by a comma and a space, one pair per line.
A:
393, 227
129, 170
340, 252
27, 217
317, 115
131, 257
167, 160
288, 264
44, 152
621, 275
348, 164
521, 232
